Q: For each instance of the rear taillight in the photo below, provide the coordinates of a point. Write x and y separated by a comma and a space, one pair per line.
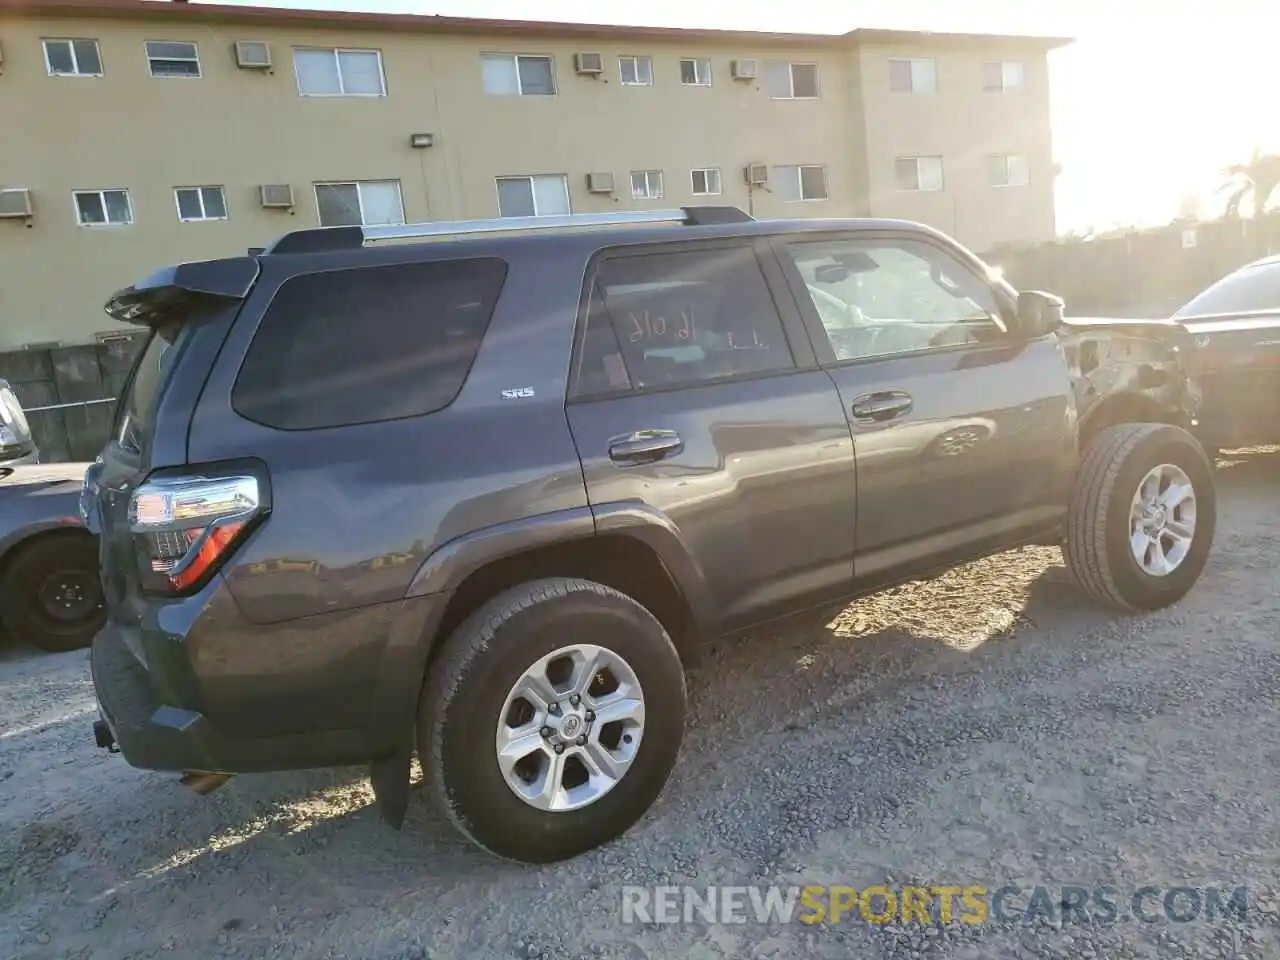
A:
185, 527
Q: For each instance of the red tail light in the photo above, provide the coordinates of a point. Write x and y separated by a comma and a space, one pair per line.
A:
185, 527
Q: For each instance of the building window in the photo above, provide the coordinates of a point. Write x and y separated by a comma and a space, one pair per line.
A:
913, 76
791, 81
1008, 76
103, 208
635, 71
200, 203
1008, 170
517, 75
330, 72
173, 59
706, 182
646, 184
361, 203
920, 174
695, 72
73, 58
543, 196
805, 182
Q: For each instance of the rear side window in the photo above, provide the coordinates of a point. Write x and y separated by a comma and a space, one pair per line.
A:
667, 320
367, 344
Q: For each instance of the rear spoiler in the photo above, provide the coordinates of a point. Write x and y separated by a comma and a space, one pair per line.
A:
157, 297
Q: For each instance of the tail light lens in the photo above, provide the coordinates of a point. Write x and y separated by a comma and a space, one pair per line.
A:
184, 528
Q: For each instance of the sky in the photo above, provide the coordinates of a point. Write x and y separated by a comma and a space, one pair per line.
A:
1149, 104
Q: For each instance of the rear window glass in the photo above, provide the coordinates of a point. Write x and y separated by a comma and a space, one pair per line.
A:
138, 405
367, 344
1249, 289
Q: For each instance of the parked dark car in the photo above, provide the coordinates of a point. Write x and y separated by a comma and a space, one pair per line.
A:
476, 495
1234, 358
50, 595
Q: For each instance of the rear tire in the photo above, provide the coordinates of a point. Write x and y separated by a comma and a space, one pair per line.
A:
470, 705
1111, 523
51, 595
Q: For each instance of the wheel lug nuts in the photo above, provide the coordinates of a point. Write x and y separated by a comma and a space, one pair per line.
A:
547, 731
575, 699
590, 715
553, 708
559, 748
582, 740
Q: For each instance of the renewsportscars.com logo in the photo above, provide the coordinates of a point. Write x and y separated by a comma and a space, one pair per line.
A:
937, 903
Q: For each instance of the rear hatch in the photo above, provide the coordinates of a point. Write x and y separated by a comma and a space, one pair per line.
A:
187, 311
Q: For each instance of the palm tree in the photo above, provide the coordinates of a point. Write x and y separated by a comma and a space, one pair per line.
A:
1259, 177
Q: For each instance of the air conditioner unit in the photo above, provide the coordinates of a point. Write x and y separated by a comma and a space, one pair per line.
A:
253, 55
15, 203
276, 195
600, 183
588, 64
756, 174
744, 69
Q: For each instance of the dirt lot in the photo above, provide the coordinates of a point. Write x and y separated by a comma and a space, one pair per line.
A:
986, 727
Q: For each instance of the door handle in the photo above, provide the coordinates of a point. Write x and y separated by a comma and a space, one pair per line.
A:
645, 446
882, 405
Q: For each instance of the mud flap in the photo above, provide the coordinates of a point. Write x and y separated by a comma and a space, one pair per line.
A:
390, 780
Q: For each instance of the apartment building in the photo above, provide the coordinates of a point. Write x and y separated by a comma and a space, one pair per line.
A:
142, 132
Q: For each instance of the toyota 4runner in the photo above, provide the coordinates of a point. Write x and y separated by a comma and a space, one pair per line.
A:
475, 490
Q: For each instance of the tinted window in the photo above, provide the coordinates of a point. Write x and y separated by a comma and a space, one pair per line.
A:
136, 410
879, 298
375, 343
677, 319
1252, 288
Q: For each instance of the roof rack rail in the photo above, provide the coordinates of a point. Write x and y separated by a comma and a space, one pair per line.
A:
327, 239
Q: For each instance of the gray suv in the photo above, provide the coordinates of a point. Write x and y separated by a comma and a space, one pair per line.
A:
475, 490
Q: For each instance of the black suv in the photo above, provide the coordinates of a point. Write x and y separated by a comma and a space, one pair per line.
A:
475, 490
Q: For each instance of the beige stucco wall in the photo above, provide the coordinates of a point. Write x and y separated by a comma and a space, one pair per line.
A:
242, 128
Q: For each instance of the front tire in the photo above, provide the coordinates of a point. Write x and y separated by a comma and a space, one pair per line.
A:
552, 719
51, 596
1141, 522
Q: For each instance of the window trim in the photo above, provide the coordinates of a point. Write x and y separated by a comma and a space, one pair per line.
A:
797, 337
913, 92
515, 60
648, 180
102, 192
204, 218
1004, 88
497, 193
382, 72
791, 78
695, 61
1009, 183
821, 342
798, 167
917, 157
635, 59
693, 189
359, 196
195, 58
71, 42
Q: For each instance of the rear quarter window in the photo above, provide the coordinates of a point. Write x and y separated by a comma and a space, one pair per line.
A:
367, 344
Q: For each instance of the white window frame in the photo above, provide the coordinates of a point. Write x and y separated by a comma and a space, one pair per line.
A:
791, 79
706, 181
101, 193
515, 59
359, 185
920, 188
635, 62
698, 63
799, 182
1005, 85
204, 215
1007, 160
194, 58
71, 46
533, 194
649, 192
382, 73
916, 90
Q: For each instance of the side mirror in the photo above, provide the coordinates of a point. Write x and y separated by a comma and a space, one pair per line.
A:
1039, 313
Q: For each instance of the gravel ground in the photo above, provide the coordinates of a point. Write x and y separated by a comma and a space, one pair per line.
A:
982, 728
